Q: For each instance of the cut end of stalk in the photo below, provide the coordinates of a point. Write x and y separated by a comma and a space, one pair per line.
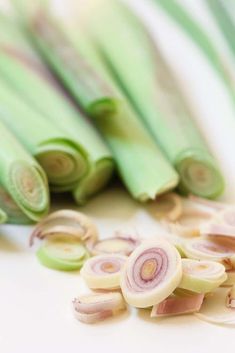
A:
200, 177
64, 166
27, 187
103, 108
95, 181
14, 213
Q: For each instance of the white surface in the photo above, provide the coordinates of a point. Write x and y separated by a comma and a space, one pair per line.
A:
35, 312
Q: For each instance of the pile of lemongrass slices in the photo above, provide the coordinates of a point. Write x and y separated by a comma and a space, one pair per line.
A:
188, 269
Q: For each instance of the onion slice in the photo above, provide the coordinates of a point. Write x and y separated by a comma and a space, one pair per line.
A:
214, 310
202, 276
207, 249
66, 222
151, 273
97, 306
178, 305
103, 271
120, 244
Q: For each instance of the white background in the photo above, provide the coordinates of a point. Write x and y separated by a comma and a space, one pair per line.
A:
35, 302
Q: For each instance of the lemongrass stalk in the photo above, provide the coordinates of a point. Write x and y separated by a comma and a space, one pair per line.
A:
21, 66
93, 94
3, 217
145, 176
22, 176
224, 15
64, 161
155, 95
11, 209
200, 37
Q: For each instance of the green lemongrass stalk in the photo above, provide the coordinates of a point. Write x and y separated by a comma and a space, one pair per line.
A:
155, 94
224, 15
3, 217
93, 94
22, 177
189, 25
31, 83
142, 166
64, 161
14, 214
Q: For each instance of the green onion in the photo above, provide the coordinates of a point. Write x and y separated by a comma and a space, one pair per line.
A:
22, 177
20, 65
64, 161
152, 89
141, 164
11, 209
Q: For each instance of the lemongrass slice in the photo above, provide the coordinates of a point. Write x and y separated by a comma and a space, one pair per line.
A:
103, 271
216, 205
151, 274
222, 224
119, 244
205, 249
186, 231
230, 299
63, 254
97, 306
176, 241
202, 276
64, 222
178, 305
169, 206
214, 310
230, 281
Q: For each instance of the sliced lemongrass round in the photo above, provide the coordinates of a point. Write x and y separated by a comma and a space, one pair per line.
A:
202, 276
230, 299
120, 244
103, 271
64, 222
151, 273
193, 208
95, 307
215, 205
186, 231
214, 310
222, 224
169, 206
178, 305
206, 249
176, 241
62, 254
230, 281
14, 213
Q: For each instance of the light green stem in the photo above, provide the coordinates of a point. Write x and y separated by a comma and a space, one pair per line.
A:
22, 177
